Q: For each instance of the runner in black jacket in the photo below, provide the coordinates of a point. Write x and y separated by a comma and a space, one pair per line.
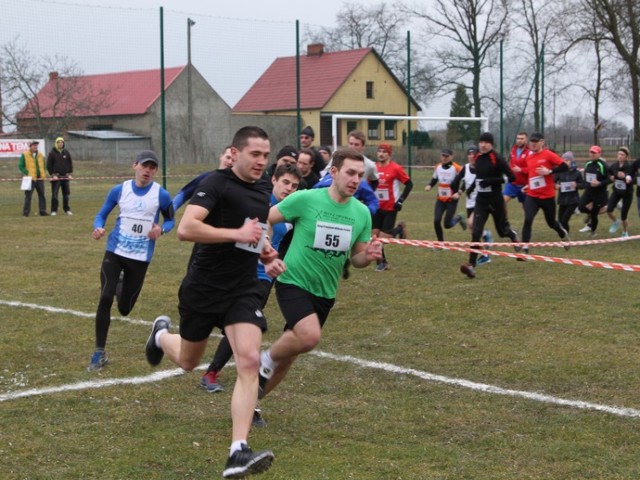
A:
491, 170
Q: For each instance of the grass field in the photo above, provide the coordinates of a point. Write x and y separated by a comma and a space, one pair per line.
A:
529, 371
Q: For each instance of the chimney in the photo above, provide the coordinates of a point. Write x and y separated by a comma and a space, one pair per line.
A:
315, 49
53, 76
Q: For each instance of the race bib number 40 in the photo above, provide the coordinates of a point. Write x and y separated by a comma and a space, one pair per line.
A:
135, 227
333, 236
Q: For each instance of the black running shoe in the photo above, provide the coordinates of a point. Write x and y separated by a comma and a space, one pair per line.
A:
245, 462
402, 230
515, 238
468, 270
154, 354
566, 238
462, 221
258, 421
262, 384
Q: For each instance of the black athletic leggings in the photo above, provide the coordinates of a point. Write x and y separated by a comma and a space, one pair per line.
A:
490, 205
448, 209
564, 214
627, 200
598, 199
134, 273
531, 207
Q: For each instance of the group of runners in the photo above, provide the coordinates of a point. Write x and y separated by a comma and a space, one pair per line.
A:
233, 216
251, 231
534, 175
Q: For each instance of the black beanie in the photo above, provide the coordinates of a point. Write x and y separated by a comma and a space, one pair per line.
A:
308, 131
487, 137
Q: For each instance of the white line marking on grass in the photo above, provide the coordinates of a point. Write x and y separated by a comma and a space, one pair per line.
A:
76, 313
387, 367
154, 377
481, 387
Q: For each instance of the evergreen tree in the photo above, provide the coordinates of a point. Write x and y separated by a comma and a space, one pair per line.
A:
459, 132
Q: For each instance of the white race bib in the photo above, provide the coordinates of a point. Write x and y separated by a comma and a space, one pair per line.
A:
480, 189
135, 227
444, 192
537, 182
591, 177
333, 236
254, 247
382, 194
567, 187
620, 184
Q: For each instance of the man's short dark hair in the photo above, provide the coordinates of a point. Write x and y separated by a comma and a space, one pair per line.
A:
287, 168
359, 134
309, 152
523, 133
242, 136
342, 154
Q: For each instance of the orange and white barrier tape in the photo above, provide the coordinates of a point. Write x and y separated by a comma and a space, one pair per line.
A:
464, 247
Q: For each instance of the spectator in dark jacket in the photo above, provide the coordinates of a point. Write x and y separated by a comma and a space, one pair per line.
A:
60, 168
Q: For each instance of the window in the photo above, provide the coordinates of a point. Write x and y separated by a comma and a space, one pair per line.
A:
351, 125
373, 130
389, 129
369, 89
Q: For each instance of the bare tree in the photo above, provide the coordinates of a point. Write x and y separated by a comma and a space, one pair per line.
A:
469, 30
541, 26
42, 110
618, 23
380, 26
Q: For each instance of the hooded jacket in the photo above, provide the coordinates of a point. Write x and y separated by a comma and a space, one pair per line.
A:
59, 161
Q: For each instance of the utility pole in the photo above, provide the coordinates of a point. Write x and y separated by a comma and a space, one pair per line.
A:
190, 23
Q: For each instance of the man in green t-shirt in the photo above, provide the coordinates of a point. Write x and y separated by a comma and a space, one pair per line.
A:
329, 225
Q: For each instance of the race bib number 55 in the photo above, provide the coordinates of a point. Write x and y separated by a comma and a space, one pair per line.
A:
332, 236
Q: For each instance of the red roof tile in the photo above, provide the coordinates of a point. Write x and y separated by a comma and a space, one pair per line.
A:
130, 93
320, 78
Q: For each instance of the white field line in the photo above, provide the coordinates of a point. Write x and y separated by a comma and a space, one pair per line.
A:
386, 367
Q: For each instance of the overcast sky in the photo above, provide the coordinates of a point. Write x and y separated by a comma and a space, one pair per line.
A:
233, 41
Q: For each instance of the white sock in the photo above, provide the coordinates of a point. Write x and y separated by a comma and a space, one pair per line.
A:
267, 365
237, 445
159, 333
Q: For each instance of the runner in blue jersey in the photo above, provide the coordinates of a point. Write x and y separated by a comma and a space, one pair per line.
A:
130, 244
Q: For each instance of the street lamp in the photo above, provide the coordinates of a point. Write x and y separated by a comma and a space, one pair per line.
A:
190, 23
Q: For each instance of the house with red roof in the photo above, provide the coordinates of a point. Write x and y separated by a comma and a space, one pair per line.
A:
127, 105
110, 116
348, 82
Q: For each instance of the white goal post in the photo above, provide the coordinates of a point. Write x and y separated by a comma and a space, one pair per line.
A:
336, 116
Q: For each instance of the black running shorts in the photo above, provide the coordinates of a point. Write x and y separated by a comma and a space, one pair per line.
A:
296, 304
